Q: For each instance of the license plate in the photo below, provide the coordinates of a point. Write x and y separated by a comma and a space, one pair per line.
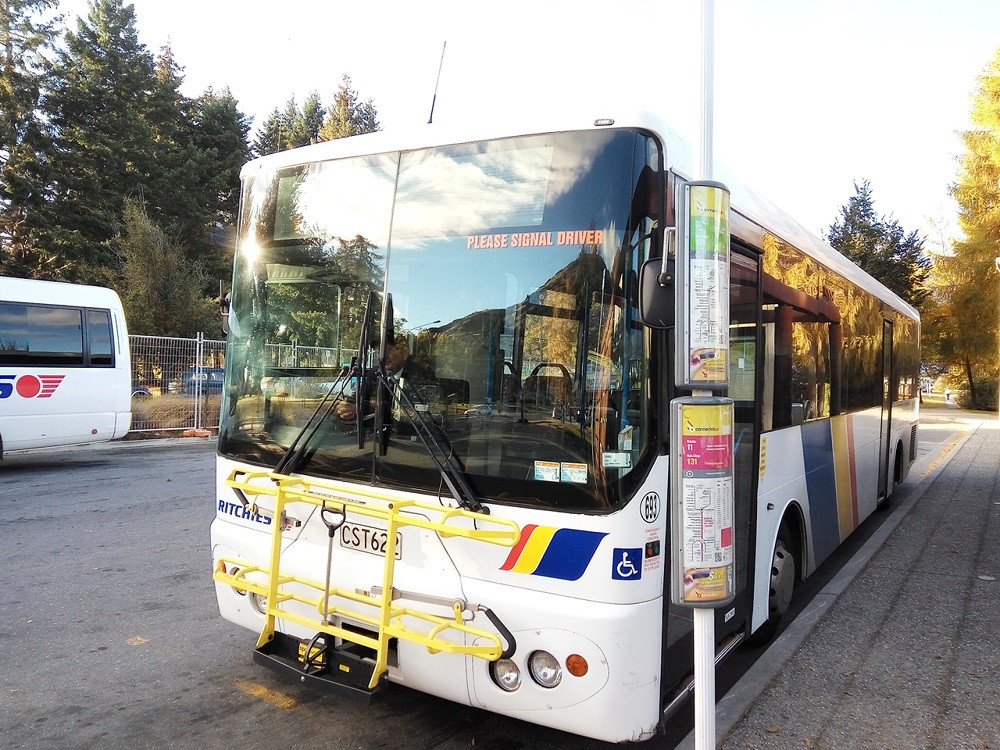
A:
368, 539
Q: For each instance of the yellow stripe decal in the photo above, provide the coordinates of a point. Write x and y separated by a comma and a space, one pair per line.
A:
842, 465
534, 548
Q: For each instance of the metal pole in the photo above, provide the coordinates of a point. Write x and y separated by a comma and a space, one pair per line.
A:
199, 387
707, 88
704, 619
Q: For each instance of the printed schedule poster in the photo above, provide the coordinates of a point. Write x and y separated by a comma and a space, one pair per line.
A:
707, 285
705, 498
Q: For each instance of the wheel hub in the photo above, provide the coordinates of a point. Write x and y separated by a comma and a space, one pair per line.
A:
782, 579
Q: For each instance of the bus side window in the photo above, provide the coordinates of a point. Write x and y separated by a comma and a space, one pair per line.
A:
802, 371
41, 335
782, 368
99, 338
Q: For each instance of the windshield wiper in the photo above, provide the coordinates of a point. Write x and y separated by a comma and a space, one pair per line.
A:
298, 450
451, 474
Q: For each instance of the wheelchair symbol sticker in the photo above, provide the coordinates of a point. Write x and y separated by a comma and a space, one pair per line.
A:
626, 564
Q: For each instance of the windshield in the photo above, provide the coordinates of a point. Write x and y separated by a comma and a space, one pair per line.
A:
511, 269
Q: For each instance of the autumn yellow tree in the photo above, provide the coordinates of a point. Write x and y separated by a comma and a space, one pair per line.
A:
962, 327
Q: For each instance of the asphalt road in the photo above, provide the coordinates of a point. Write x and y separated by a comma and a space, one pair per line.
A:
110, 635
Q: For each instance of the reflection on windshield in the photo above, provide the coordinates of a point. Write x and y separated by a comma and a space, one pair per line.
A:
511, 267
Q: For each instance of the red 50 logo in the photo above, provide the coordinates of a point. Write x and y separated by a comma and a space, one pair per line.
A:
29, 386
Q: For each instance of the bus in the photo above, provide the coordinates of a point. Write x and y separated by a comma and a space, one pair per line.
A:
489, 522
65, 371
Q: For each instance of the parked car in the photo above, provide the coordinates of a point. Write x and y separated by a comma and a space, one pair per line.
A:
210, 380
140, 391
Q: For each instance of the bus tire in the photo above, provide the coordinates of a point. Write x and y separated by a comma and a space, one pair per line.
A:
780, 589
892, 480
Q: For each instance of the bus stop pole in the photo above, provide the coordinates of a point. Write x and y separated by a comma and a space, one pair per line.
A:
704, 619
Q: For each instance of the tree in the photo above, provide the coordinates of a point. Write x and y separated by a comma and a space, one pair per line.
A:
105, 146
881, 247
161, 291
310, 119
25, 137
967, 284
347, 116
268, 139
299, 126
124, 130
295, 126
174, 191
220, 133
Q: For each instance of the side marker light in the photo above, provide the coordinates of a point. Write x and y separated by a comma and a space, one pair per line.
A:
576, 665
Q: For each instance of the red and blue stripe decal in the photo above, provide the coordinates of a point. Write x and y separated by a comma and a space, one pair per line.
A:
29, 386
553, 553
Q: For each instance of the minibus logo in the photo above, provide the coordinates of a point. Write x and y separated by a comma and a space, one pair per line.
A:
29, 386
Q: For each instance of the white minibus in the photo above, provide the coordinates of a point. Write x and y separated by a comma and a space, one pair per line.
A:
65, 373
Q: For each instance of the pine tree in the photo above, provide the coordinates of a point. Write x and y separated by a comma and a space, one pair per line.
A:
220, 133
268, 138
174, 193
290, 128
881, 247
967, 281
296, 126
104, 83
293, 126
25, 137
347, 116
125, 131
312, 118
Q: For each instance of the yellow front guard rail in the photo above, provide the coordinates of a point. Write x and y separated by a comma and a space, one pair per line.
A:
377, 611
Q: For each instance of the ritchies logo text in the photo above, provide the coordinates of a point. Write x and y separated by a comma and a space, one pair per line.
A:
238, 510
29, 386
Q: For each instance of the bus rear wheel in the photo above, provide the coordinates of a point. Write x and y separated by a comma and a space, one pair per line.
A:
780, 589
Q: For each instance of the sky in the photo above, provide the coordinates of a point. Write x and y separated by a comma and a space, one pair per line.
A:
810, 97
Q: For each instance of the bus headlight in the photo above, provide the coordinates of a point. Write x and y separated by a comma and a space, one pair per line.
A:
234, 572
544, 669
505, 674
259, 602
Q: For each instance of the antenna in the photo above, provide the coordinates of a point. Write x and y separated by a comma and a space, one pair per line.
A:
436, 83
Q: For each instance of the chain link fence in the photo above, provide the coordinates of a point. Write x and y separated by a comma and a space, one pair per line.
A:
176, 383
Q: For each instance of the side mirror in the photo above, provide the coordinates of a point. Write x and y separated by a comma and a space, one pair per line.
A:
656, 293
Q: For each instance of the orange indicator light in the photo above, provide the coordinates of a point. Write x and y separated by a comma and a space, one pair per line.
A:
576, 665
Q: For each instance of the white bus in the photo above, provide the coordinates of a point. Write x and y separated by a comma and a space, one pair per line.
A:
489, 523
65, 373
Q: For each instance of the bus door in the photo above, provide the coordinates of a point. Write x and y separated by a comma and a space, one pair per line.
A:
745, 369
888, 395
746, 357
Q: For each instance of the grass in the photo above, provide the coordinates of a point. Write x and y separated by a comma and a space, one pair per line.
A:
935, 402
165, 416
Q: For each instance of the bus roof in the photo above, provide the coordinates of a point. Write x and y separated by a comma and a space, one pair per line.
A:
680, 159
57, 293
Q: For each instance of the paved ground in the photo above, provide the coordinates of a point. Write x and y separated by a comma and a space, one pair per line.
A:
901, 650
